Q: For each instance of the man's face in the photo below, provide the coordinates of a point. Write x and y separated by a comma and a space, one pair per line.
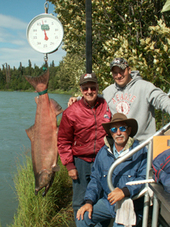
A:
120, 76
120, 137
89, 90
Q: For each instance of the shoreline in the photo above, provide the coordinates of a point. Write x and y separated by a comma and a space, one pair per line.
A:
49, 91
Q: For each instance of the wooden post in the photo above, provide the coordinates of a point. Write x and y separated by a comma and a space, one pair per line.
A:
88, 36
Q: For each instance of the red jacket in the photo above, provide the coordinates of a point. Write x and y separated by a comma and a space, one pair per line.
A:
81, 132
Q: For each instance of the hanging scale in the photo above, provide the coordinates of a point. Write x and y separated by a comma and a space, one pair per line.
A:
45, 33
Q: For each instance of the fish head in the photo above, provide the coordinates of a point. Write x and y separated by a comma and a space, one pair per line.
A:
42, 180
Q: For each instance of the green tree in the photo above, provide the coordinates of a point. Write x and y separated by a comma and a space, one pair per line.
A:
119, 28
69, 72
2, 79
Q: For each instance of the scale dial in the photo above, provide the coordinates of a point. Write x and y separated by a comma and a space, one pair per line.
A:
45, 33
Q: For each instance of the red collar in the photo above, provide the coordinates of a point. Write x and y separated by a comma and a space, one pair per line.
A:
87, 105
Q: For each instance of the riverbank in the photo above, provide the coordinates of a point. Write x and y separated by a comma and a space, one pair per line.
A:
17, 110
53, 210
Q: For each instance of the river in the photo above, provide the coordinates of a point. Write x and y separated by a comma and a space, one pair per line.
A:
17, 113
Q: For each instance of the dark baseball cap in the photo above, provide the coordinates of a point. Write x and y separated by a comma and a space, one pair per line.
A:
88, 77
120, 62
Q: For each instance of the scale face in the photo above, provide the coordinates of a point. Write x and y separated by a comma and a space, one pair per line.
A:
45, 33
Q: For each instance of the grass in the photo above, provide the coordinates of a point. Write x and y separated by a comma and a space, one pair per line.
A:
37, 211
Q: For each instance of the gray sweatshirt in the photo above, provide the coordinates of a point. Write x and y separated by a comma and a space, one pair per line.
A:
138, 99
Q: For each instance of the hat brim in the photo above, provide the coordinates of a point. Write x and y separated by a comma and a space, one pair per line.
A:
120, 66
130, 123
87, 81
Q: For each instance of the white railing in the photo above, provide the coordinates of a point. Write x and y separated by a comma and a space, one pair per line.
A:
149, 162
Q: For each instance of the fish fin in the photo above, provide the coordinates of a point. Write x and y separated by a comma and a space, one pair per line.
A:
40, 83
58, 109
56, 168
30, 132
36, 99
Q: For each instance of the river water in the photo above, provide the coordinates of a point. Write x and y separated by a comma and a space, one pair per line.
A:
17, 113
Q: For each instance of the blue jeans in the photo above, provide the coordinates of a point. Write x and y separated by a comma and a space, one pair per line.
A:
80, 185
100, 214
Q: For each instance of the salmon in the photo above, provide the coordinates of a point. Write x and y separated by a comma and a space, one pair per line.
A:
43, 134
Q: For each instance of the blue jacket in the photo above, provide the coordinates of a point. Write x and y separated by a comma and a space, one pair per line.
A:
161, 169
131, 169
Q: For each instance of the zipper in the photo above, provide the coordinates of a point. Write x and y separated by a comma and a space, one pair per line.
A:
94, 114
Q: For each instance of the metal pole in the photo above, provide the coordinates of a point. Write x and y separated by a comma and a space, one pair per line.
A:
88, 36
155, 212
130, 153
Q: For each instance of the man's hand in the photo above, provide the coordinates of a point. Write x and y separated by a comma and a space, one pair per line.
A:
87, 207
73, 173
116, 195
71, 101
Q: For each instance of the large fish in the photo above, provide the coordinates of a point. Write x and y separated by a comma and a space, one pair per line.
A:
43, 134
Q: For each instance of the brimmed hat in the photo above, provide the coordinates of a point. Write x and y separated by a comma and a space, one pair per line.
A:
119, 117
88, 77
120, 62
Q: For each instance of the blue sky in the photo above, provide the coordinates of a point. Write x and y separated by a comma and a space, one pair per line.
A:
15, 16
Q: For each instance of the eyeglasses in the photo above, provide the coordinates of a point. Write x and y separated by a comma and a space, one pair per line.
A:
121, 128
92, 88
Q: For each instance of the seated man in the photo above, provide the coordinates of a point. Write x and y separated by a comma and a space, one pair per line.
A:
118, 142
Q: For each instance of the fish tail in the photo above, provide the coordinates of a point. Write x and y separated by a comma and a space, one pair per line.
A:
40, 83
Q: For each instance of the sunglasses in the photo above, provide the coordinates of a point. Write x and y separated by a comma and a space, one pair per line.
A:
121, 128
92, 88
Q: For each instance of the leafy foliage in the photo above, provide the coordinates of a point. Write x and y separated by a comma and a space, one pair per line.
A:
17, 79
135, 30
166, 6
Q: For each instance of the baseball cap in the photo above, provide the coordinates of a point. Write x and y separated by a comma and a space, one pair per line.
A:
88, 77
120, 62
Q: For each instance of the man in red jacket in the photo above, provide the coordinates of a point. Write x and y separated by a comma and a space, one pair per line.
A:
81, 135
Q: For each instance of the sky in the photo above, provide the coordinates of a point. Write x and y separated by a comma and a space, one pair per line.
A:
15, 16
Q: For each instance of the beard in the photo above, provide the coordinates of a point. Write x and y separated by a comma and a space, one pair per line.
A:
120, 139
